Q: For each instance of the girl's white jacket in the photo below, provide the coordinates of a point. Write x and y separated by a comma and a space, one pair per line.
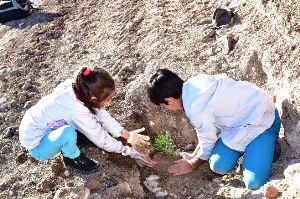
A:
217, 105
63, 104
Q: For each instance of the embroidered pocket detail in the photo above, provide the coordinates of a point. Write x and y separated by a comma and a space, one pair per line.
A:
56, 124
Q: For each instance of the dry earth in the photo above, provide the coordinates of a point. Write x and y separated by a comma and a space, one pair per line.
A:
131, 39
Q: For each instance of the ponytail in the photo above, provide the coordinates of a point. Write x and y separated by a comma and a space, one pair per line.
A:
93, 82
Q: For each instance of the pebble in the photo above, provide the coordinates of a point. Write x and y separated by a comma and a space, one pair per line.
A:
57, 165
9, 132
189, 147
22, 99
15, 72
26, 86
96, 196
271, 192
93, 184
21, 157
28, 104
67, 173
48, 184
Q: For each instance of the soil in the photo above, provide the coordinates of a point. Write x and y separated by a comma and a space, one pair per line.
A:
131, 39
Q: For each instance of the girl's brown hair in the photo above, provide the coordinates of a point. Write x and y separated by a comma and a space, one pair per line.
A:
93, 82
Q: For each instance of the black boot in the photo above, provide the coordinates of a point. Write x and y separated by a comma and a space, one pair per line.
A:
82, 164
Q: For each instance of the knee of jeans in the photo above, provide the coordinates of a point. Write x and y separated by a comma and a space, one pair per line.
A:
69, 134
253, 181
219, 167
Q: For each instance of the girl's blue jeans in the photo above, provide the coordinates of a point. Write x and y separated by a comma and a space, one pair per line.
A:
258, 157
59, 140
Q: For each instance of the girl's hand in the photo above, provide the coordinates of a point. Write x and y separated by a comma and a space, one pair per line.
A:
125, 134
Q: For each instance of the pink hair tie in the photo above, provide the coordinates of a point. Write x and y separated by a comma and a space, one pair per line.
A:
87, 71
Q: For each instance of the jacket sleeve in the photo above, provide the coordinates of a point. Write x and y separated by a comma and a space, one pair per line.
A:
88, 124
109, 123
206, 133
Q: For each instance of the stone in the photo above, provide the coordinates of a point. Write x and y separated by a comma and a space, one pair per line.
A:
189, 147
26, 86
21, 157
57, 165
292, 173
120, 189
271, 192
48, 184
72, 193
93, 184
9, 132
28, 104
67, 173
22, 99
96, 196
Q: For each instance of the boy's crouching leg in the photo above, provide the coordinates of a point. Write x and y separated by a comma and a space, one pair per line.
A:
223, 159
253, 180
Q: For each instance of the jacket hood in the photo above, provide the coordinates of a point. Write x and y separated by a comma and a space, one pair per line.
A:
197, 92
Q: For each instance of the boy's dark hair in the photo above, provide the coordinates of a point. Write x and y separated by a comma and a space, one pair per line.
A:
163, 84
93, 82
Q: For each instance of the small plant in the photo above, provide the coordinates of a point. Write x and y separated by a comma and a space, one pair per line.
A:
164, 144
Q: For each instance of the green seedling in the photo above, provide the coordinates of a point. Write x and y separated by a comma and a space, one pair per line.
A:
164, 144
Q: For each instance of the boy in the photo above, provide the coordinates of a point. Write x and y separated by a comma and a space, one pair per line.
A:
231, 118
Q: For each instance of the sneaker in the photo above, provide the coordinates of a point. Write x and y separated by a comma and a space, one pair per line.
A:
277, 152
82, 164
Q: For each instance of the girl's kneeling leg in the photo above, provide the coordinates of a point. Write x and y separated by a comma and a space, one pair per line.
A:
62, 139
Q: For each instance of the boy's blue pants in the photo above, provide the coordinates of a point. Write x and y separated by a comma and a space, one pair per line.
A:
258, 157
59, 140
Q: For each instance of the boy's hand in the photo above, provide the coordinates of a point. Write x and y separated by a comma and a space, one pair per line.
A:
183, 166
180, 167
187, 156
136, 139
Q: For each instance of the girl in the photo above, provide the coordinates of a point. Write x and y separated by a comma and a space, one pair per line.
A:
49, 127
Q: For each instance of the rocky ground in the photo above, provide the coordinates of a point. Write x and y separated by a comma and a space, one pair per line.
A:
131, 39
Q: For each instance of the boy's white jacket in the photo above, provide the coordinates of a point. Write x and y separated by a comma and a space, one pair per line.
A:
63, 104
217, 105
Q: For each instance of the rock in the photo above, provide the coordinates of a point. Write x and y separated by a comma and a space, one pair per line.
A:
22, 99
189, 147
72, 193
48, 184
152, 185
227, 43
21, 157
9, 132
93, 184
67, 173
292, 173
31, 159
271, 192
26, 86
28, 104
96, 196
57, 165
117, 191
15, 72
2, 77
291, 123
